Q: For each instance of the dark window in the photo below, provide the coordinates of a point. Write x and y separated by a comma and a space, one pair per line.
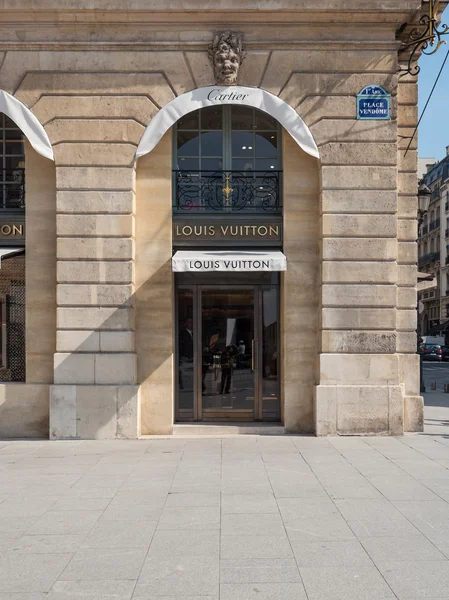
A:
227, 138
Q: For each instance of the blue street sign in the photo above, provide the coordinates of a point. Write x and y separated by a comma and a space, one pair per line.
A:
373, 102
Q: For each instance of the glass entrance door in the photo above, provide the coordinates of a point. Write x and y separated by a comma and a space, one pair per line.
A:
228, 341
227, 352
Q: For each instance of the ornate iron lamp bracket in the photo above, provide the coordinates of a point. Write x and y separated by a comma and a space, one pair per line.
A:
425, 38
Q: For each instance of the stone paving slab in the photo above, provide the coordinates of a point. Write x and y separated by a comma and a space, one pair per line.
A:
280, 570
92, 590
232, 518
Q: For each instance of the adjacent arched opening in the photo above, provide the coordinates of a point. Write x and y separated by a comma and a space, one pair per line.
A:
12, 252
204, 184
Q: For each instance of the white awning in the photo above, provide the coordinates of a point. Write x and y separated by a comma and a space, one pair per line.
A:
226, 260
28, 123
220, 95
4, 252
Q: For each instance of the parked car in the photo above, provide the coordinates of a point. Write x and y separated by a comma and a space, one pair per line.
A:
445, 355
432, 352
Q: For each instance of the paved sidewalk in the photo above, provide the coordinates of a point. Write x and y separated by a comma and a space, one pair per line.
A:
266, 518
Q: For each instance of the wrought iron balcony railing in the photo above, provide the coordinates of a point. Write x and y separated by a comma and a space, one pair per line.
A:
227, 191
12, 188
428, 258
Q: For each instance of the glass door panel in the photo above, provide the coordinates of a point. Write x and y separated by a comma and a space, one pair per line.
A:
227, 345
227, 351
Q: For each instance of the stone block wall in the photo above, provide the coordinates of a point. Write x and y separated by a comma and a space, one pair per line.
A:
407, 117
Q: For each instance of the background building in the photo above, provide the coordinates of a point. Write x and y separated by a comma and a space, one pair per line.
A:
423, 166
433, 244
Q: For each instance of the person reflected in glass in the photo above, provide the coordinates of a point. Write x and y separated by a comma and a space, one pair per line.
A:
207, 362
227, 364
185, 347
211, 350
186, 339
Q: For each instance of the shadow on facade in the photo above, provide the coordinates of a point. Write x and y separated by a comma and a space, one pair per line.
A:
102, 381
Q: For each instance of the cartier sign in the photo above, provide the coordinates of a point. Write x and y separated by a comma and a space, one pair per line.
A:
217, 95
185, 231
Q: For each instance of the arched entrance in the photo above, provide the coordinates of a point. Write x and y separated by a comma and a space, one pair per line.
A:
227, 215
190, 200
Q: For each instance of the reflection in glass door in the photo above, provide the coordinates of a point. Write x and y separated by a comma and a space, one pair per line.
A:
227, 353
228, 365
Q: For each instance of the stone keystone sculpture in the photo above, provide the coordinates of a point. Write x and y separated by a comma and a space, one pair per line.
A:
227, 52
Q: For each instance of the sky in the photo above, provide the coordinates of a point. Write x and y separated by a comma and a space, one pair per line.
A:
433, 132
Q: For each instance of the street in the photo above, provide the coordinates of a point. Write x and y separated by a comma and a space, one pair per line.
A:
436, 410
436, 371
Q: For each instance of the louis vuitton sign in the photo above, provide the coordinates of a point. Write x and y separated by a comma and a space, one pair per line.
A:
246, 232
12, 232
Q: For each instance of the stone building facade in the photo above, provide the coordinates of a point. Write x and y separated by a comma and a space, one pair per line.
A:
101, 305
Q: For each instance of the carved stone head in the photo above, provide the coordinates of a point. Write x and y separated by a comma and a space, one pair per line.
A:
227, 52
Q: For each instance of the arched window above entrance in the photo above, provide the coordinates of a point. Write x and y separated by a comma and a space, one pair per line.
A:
12, 183
227, 158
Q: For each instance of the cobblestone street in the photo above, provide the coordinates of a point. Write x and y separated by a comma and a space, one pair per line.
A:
234, 518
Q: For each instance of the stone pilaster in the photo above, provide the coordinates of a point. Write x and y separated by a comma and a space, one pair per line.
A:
155, 331
408, 252
40, 218
359, 387
299, 298
95, 393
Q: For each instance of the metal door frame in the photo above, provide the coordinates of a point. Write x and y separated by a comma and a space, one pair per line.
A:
193, 289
